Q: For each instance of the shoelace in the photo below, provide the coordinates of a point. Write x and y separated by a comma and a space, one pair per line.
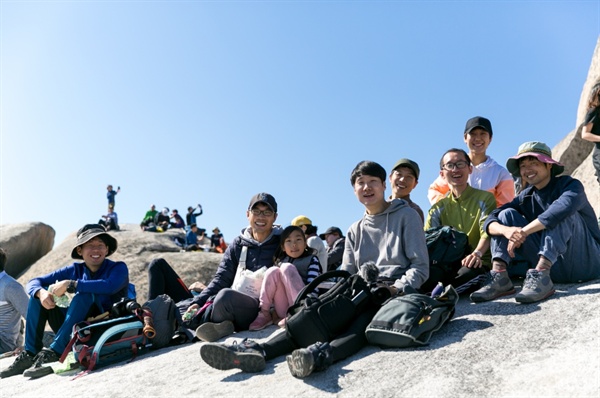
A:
531, 280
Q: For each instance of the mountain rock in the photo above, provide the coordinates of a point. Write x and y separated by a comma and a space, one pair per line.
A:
576, 153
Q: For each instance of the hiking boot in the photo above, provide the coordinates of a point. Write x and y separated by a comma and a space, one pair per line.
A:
304, 361
43, 357
497, 285
247, 356
23, 362
537, 286
214, 331
263, 319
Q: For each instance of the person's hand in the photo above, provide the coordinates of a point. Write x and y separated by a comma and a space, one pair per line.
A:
189, 313
60, 288
516, 238
46, 299
472, 260
197, 287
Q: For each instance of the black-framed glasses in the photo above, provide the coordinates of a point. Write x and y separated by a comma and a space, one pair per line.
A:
458, 165
266, 213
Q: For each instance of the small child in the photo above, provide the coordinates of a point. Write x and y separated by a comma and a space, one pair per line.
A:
298, 266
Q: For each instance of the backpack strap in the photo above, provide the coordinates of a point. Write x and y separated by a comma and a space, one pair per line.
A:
107, 335
314, 284
243, 254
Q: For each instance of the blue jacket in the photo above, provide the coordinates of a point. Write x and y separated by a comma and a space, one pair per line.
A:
109, 284
260, 254
562, 197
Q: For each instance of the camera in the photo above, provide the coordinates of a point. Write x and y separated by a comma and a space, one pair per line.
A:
380, 293
124, 307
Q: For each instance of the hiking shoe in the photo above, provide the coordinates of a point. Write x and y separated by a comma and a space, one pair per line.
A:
23, 362
263, 319
497, 285
214, 331
43, 357
304, 361
537, 286
247, 356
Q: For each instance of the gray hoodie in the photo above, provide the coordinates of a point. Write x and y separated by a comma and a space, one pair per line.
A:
394, 240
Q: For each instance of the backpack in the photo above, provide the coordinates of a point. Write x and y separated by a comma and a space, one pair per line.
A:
321, 318
411, 319
447, 246
164, 319
108, 341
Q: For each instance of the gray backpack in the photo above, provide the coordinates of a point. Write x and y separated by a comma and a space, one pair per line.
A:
411, 319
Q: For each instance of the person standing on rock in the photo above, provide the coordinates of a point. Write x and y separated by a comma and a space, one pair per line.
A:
96, 284
110, 195
550, 223
13, 308
224, 310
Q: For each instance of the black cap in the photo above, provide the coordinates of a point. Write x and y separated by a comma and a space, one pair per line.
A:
265, 198
331, 230
480, 122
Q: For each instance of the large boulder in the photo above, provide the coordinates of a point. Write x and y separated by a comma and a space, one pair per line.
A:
25, 244
137, 248
573, 151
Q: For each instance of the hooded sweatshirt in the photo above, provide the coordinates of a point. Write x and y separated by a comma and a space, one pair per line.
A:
259, 254
394, 241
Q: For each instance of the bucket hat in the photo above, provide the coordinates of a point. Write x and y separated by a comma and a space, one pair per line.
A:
538, 150
87, 233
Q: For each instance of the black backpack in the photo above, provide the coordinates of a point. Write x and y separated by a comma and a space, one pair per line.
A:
315, 318
411, 319
447, 246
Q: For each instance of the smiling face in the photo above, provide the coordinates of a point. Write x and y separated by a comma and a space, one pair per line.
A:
534, 172
261, 219
455, 176
295, 244
403, 181
93, 253
370, 191
478, 140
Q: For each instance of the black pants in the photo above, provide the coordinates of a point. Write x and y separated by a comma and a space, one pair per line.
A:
346, 344
464, 280
162, 279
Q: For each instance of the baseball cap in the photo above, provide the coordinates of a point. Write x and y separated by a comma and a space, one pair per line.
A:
410, 164
480, 122
265, 198
301, 220
331, 230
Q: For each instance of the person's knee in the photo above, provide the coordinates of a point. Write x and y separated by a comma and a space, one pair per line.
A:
508, 217
157, 265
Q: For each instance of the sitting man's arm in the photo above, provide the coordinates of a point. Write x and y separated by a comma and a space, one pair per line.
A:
516, 235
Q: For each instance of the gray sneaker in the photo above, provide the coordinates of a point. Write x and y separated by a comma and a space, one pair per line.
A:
316, 357
497, 285
214, 331
247, 356
537, 286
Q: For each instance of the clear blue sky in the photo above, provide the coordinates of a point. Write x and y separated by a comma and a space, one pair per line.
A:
185, 102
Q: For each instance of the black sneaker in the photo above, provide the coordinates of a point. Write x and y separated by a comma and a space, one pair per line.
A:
316, 357
21, 363
247, 356
43, 357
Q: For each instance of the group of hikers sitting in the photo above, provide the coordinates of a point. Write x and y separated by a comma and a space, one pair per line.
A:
550, 226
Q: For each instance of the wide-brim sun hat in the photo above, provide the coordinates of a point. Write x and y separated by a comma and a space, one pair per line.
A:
87, 233
538, 150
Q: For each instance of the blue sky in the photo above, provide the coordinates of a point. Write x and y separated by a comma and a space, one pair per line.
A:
186, 102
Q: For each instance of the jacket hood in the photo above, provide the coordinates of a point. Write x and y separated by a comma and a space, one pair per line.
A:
247, 237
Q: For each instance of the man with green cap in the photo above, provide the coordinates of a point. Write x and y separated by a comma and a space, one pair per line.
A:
550, 224
96, 284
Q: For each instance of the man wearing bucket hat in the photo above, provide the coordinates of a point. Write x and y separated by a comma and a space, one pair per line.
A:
550, 224
97, 283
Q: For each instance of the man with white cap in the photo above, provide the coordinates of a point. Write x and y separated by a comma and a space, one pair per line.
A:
97, 283
551, 224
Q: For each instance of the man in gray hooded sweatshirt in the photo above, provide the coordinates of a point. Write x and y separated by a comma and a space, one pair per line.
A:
389, 236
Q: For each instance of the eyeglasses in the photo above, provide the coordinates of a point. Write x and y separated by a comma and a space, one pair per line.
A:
266, 213
459, 165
